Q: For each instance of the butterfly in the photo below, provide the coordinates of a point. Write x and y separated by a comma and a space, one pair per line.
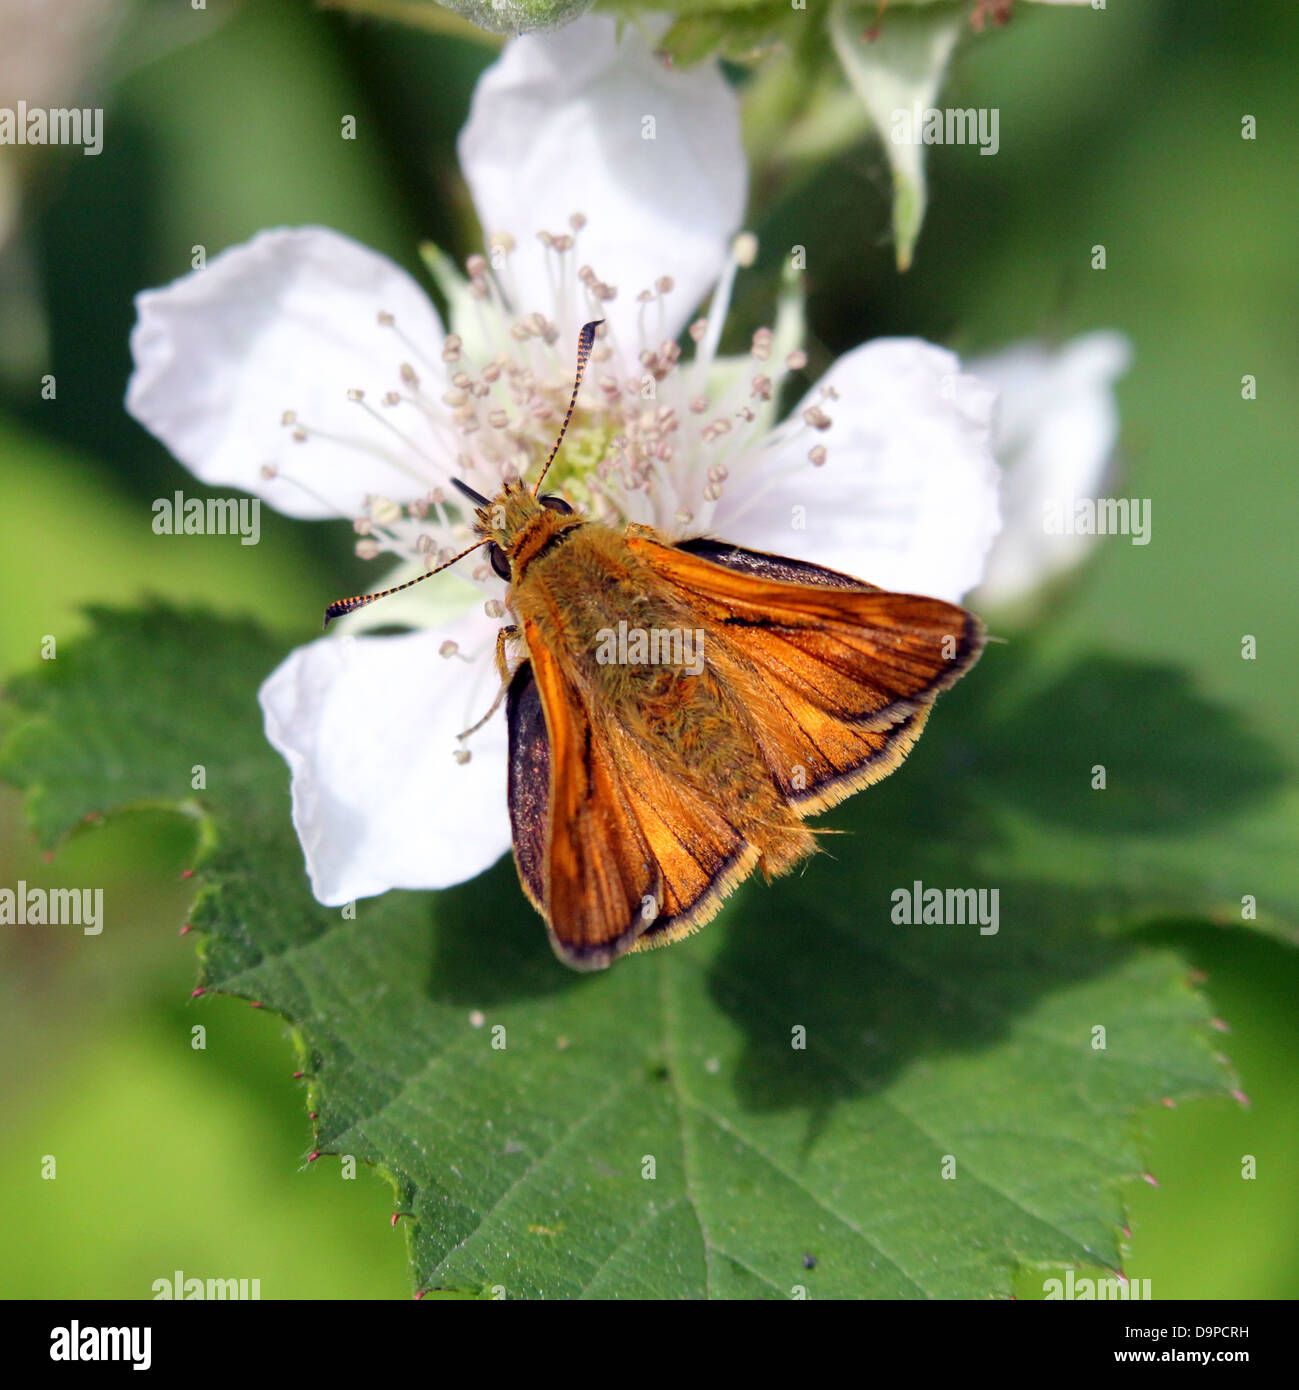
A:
677, 710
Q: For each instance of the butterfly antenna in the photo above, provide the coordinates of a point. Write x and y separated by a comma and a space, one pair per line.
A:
350, 605
584, 341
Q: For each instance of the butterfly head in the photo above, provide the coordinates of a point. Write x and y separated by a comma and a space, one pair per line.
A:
516, 525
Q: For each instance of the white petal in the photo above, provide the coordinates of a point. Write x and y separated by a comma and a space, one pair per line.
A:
368, 727
1056, 430
287, 322
907, 497
558, 126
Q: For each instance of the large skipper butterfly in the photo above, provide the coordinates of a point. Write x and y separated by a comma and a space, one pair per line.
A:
676, 711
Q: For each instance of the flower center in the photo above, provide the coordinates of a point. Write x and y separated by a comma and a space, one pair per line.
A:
652, 440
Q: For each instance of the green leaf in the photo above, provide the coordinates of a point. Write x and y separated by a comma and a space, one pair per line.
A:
656, 1130
901, 65
740, 33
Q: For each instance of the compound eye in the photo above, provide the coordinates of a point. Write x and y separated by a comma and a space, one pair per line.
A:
557, 504
499, 561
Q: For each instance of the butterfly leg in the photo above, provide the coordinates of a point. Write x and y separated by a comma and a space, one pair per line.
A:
502, 665
503, 670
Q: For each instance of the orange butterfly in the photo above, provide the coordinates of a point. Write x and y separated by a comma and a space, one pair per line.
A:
680, 709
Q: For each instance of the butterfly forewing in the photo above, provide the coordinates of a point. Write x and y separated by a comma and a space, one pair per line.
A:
864, 655
598, 873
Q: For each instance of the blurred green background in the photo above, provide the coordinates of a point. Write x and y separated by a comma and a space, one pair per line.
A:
1120, 127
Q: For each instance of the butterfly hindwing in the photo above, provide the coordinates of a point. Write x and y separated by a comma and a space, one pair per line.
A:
701, 856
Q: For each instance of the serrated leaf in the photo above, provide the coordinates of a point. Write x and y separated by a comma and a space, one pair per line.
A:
658, 1130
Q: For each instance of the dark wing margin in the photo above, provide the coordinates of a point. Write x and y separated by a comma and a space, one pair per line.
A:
529, 781
768, 566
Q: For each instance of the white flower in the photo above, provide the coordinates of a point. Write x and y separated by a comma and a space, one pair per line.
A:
315, 373
1056, 430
